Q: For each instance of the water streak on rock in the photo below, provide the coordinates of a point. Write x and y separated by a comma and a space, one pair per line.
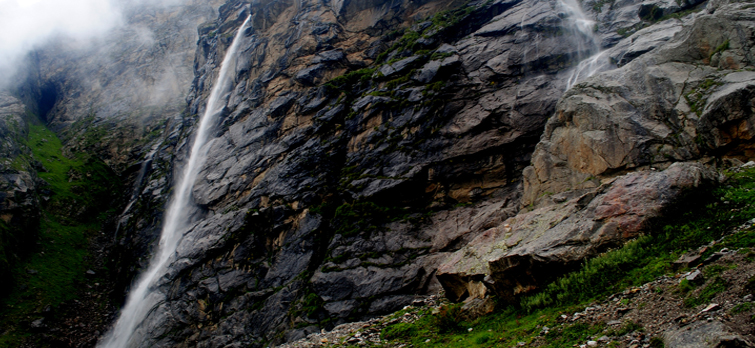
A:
588, 42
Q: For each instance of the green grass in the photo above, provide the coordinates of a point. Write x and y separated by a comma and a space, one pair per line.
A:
505, 328
742, 308
637, 262
718, 285
82, 192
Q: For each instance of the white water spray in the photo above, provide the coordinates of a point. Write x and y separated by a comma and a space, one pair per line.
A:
584, 28
145, 297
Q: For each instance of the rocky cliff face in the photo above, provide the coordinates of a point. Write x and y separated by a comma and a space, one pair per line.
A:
374, 151
353, 163
19, 205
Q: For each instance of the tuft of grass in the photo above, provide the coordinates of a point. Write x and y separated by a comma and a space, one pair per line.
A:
686, 286
742, 308
716, 286
627, 327
448, 319
722, 47
398, 331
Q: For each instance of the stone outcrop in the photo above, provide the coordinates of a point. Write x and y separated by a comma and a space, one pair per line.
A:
314, 198
531, 248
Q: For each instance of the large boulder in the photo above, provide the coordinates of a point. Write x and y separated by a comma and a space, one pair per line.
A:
531, 248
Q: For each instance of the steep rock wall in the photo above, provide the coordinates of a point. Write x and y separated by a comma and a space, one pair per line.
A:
616, 154
349, 164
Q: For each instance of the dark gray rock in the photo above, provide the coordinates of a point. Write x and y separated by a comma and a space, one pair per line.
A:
428, 72
310, 75
704, 334
399, 67
331, 56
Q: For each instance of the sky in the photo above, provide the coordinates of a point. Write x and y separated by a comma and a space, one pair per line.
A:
26, 24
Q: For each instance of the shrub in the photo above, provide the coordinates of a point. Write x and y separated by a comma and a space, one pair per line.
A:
448, 319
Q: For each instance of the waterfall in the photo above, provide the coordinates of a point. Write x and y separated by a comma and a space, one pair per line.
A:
583, 28
145, 296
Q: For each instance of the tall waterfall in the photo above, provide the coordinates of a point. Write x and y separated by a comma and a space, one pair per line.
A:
588, 42
145, 297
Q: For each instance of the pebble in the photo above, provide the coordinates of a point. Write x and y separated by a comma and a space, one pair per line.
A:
695, 276
592, 343
711, 308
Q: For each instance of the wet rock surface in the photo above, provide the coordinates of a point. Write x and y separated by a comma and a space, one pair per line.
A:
313, 201
356, 167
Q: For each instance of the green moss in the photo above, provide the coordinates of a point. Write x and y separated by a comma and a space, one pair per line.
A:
598, 5
716, 286
722, 47
345, 83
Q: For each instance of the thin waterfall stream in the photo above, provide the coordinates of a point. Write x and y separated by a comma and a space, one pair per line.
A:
144, 297
584, 27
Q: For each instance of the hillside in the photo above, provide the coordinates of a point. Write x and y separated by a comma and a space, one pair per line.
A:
368, 154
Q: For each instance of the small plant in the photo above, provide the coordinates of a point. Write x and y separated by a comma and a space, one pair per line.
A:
448, 318
742, 307
750, 286
627, 327
656, 342
686, 286
723, 47
717, 285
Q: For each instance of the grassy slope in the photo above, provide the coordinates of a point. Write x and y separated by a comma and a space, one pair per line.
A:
81, 188
638, 262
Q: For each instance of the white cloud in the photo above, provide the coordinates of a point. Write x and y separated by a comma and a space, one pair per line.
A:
26, 24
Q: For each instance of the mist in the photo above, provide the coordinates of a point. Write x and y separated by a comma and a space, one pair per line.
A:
26, 25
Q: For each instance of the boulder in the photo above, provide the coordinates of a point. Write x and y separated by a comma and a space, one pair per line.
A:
703, 334
528, 250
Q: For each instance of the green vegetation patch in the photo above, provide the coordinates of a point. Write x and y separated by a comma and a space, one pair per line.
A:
81, 192
716, 286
